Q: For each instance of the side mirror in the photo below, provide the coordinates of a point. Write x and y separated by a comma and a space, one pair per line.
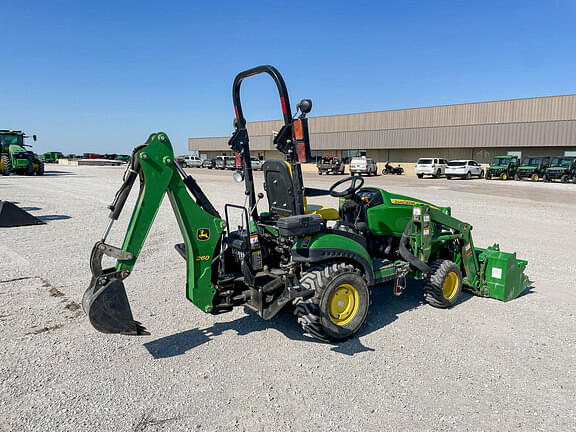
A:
238, 176
34, 137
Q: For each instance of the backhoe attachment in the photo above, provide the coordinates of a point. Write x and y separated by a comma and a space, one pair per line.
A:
105, 301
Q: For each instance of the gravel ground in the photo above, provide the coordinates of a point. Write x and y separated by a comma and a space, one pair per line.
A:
482, 365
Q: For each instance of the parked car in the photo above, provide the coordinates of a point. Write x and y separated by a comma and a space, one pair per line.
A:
256, 164
464, 169
230, 162
435, 167
503, 167
533, 167
363, 165
192, 162
562, 168
330, 165
208, 163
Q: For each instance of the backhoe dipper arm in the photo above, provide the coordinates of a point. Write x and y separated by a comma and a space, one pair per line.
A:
105, 301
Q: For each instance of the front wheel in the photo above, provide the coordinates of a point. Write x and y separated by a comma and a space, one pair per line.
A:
564, 179
5, 165
438, 174
535, 177
443, 285
481, 174
40, 167
420, 175
504, 176
340, 303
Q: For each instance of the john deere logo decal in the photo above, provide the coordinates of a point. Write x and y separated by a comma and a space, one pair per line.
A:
203, 234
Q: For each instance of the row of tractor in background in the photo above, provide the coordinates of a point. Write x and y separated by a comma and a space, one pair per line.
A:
54, 157
535, 168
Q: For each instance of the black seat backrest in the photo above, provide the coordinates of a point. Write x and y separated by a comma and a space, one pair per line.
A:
279, 188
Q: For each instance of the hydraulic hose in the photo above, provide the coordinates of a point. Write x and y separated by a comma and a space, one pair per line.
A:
407, 255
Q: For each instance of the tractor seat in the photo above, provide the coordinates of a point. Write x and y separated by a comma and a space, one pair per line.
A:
279, 186
325, 212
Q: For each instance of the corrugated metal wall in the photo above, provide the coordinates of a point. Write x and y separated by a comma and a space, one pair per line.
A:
506, 111
546, 121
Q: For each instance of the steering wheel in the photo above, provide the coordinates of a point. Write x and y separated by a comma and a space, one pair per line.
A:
348, 192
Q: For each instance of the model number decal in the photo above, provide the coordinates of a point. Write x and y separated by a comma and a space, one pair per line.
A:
202, 257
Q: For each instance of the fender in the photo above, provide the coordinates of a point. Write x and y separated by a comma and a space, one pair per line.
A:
326, 247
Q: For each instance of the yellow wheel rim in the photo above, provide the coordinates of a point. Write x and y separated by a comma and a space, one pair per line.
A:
504, 177
450, 286
343, 304
536, 178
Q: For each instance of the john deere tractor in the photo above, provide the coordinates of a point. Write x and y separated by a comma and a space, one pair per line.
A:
15, 158
321, 261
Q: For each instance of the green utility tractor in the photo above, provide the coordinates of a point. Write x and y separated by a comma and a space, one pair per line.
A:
52, 157
562, 168
320, 261
503, 167
15, 158
533, 168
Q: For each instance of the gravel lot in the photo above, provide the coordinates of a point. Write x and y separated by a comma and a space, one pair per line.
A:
482, 365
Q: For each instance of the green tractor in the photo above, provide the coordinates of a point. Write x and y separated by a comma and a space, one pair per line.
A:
533, 168
15, 158
503, 167
320, 261
52, 157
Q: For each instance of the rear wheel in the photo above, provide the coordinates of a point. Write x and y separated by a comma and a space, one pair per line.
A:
443, 285
5, 165
340, 303
40, 167
481, 174
535, 177
504, 176
564, 179
468, 175
438, 174
420, 175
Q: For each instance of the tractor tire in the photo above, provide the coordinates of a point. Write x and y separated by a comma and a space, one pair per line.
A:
29, 171
340, 303
443, 285
504, 176
5, 162
535, 177
564, 179
420, 175
40, 169
546, 179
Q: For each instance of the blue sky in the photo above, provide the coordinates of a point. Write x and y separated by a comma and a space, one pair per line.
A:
101, 76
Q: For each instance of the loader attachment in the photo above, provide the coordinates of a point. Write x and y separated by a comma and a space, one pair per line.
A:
503, 274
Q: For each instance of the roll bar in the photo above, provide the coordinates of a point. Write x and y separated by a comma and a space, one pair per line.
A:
273, 72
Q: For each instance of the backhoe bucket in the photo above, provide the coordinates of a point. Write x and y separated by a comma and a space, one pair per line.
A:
503, 273
108, 308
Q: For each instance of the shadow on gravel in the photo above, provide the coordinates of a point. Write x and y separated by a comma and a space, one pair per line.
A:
385, 309
58, 173
48, 218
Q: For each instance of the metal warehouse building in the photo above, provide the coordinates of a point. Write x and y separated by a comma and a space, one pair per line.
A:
532, 126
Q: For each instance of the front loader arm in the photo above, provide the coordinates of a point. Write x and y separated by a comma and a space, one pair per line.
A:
105, 301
